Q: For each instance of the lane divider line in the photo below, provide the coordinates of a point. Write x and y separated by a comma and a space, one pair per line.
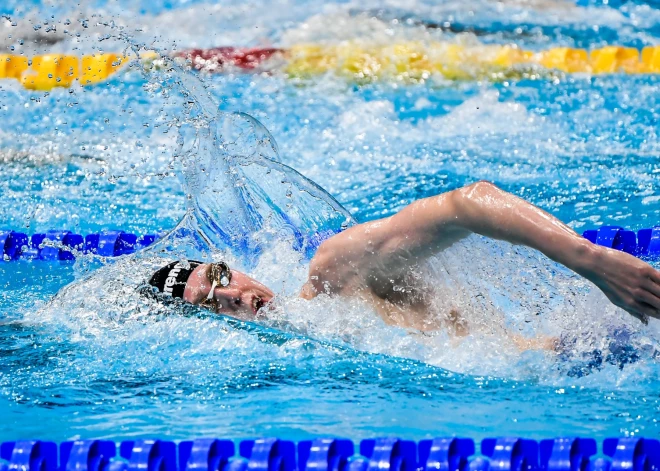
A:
644, 244
334, 454
352, 60
59, 245
63, 245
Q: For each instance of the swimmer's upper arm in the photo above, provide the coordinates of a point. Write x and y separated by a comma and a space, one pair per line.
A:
424, 228
386, 245
430, 225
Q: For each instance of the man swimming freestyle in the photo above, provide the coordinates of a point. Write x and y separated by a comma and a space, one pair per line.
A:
372, 261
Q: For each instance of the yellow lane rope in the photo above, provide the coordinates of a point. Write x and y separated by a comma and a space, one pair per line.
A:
417, 61
46, 72
411, 61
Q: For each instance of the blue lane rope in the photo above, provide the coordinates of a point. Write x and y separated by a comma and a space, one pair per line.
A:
645, 243
334, 454
16, 245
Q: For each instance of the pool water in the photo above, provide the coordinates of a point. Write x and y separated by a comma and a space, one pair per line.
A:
89, 363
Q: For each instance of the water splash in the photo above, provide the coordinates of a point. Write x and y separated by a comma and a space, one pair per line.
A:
244, 200
242, 204
245, 206
118, 365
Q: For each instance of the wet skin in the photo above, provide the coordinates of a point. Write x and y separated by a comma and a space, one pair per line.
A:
372, 260
242, 298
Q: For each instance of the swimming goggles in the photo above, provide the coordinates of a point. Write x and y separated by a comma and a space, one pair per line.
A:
220, 275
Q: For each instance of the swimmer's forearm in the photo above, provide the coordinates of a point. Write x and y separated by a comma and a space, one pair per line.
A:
628, 282
484, 209
427, 226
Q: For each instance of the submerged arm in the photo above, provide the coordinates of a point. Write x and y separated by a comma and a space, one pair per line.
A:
427, 226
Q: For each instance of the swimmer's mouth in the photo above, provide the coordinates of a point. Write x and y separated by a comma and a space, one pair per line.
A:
257, 303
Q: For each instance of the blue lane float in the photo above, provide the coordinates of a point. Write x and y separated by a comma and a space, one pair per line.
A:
334, 454
12, 244
62, 245
645, 243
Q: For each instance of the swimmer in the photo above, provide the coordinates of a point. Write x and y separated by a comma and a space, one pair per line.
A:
372, 261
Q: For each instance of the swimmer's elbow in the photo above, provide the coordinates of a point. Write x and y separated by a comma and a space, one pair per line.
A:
476, 191
470, 201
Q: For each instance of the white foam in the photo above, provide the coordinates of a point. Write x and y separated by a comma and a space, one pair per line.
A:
495, 286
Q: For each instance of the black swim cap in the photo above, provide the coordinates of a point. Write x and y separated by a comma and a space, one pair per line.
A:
172, 278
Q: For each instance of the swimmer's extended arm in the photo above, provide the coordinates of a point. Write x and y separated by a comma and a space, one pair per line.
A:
427, 226
627, 281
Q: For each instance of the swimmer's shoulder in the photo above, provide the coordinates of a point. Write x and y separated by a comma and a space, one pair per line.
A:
336, 267
308, 291
323, 276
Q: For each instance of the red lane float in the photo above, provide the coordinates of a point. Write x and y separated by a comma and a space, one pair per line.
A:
218, 59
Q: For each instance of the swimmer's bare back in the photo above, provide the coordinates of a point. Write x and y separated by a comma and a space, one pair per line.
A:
371, 260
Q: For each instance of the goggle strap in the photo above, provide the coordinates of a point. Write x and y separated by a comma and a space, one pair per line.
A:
210, 295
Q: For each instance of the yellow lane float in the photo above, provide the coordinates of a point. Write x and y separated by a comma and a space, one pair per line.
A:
12, 66
411, 61
46, 72
418, 61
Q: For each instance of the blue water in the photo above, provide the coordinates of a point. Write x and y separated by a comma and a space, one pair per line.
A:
91, 365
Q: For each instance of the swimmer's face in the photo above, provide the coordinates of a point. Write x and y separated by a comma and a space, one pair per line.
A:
241, 299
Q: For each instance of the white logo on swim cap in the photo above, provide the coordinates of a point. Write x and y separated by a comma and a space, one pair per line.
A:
171, 279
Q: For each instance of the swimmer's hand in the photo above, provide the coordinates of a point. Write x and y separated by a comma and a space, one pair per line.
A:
628, 282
